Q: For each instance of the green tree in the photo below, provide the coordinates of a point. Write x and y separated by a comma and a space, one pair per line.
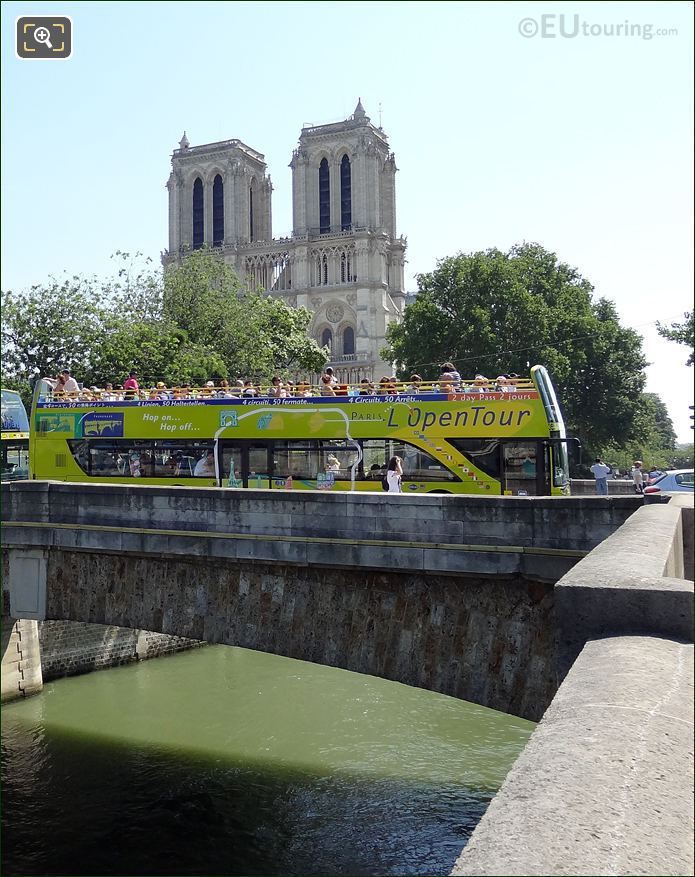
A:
656, 441
683, 457
255, 334
683, 333
494, 312
50, 327
193, 322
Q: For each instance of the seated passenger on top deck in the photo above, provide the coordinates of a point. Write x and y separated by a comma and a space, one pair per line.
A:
327, 386
366, 388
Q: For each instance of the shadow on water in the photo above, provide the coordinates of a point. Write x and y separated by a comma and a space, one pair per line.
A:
79, 802
111, 810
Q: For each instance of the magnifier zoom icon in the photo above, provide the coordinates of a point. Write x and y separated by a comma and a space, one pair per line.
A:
43, 35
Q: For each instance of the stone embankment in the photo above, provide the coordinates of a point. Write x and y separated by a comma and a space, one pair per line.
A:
605, 784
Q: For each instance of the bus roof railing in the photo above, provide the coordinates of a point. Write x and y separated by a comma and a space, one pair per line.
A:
293, 389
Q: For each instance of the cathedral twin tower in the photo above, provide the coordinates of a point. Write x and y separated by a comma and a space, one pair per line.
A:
343, 261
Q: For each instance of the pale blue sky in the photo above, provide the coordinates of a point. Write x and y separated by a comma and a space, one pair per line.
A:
582, 144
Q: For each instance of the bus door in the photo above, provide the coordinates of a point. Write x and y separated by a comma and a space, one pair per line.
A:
245, 464
525, 468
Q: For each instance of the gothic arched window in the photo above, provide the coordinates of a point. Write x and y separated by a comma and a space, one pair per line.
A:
345, 194
251, 209
327, 339
324, 198
198, 215
349, 341
217, 211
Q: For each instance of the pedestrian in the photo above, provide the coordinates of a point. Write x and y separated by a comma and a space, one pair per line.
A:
394, 474
601, 473
654, 474
636, 474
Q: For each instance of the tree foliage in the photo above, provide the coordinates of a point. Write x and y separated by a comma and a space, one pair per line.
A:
494, 312
254, 333
683, 333
192, 322
655, 442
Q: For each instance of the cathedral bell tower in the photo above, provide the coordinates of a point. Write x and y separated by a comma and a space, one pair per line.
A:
343, 260
219, 194
348, 265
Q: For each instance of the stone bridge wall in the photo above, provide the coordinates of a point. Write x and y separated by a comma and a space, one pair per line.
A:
448, 593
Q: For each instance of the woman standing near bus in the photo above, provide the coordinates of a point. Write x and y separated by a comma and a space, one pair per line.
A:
394, 474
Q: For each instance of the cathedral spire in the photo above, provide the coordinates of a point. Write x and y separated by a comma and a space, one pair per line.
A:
359, 110
183, 142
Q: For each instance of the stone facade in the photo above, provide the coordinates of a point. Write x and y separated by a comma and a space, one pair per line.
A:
343, 261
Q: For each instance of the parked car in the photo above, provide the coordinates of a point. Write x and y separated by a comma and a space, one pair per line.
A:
679, 480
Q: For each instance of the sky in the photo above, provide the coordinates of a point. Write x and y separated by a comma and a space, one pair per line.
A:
510, 122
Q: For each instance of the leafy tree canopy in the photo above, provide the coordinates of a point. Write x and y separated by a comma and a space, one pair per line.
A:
192, 322
494, 312
254, 333
682, 333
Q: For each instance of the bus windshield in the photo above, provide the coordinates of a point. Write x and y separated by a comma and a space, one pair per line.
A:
15, 437
14, 415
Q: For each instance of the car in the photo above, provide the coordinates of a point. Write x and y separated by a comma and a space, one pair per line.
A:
679, 480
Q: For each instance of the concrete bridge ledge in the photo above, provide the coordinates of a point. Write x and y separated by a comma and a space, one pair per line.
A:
605, 784
631, 583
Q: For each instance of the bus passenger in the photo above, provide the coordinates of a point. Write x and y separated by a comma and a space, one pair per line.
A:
366, 388
332, 377
249, 389
415, 384
205, 467
231, 392
277, 390
332, 463
304, 389
327, 386
451, 369
108, 394
383, 386
63, 383
131, 386
480, 384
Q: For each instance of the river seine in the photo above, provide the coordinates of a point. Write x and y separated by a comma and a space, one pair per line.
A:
228, 761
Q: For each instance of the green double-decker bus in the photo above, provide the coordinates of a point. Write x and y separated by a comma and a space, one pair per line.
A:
476, 440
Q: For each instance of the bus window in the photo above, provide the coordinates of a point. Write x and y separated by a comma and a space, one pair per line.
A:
296, 459
15, 459
418, 465
13, 415
374, 459
258, 466
484, 454
231, 466
522, 468
338, 458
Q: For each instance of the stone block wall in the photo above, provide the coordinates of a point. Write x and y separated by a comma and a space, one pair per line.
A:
486, 640
69, 648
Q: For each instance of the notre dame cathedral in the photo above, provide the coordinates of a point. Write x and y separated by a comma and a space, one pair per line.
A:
343, 260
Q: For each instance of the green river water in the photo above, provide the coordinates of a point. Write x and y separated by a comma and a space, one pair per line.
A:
228, 761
